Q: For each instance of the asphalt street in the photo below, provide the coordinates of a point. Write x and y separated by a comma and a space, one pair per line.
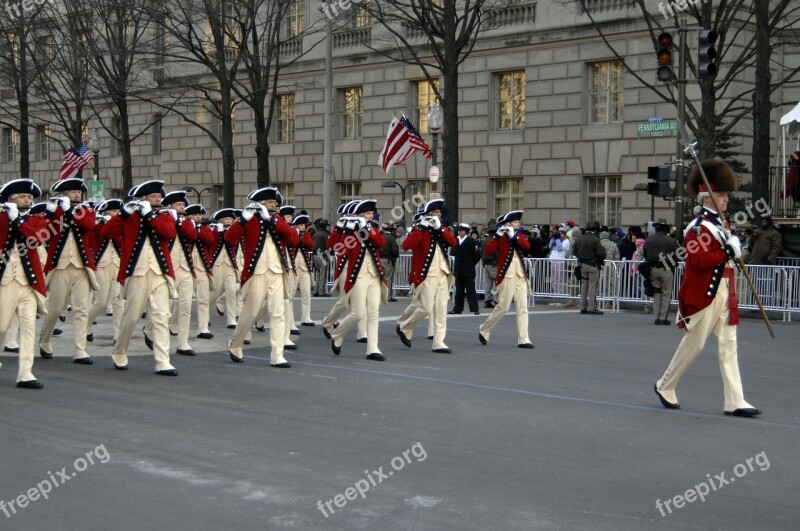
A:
566, 436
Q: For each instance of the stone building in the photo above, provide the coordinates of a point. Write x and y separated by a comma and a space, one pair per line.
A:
549, 120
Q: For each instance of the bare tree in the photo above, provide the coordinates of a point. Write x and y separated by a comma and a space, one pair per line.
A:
437, 36
748, 32
18, 43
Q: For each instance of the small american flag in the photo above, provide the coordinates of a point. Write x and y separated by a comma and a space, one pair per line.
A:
75, 159
402, 141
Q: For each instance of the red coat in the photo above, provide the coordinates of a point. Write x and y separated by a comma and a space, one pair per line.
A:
419, 243
304, 248
187, 234
101, 242
352, 251
218, 246
502, 246
84, 219
207, 239
704, 270
337, 236
127, 227
34, 231
255, 231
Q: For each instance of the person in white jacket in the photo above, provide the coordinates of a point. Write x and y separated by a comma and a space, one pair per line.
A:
559, 248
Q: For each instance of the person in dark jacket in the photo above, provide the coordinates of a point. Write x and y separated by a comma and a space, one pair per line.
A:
466, 254
590, 254
659, 252
539, 248
489, 265
389, 255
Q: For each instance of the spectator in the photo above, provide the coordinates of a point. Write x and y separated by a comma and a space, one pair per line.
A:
389, 255
766, 244
612, 251
627, 246
489, 265
539, 248
559, 247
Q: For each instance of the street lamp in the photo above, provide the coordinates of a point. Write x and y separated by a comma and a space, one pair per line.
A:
403, 189
198, 192
94, 145
434, 124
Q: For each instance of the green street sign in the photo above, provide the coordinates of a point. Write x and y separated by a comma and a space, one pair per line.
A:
656, 126
96, 191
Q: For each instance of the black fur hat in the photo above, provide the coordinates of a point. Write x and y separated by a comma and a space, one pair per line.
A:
720, 176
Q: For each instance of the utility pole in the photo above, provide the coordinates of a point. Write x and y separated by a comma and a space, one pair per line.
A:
681, 86
327, 144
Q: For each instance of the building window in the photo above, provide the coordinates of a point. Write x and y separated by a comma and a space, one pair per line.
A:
116, 143
349, 191
287, 193
285, 129
42, 142
160, 40
363, 17
295, 21
9, 140
510, 100
350, 112
606, 98
156, 135
424, 99
604, 200
507, 194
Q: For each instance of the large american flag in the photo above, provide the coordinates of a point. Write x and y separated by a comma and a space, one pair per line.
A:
75, 159
402, 141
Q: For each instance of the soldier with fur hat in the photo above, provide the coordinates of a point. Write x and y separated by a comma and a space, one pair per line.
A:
707, 297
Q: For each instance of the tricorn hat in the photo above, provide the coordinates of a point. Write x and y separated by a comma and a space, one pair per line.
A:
720, 176
147, 188
38, 208
197, 208
514, 215
367, 205
65, 185
223, 213
109, 204
262, 194
20, 186
434, 204
287, 210
300, 218
178, 196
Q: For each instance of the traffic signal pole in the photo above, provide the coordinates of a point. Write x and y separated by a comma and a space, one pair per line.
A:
681, 86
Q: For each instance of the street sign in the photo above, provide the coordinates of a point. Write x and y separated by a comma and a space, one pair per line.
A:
656, 126
96, 190
435, 195
433, 174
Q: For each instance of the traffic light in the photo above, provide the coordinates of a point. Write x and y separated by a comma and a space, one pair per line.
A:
664, 57
706, 53
660, 177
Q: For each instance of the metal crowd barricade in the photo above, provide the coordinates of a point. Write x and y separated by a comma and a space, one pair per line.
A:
620, 282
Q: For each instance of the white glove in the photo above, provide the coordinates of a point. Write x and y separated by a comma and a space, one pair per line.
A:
341, 222
107, 218
735, 245
64, 202
52, 205
263, 212
172, 212
436, 223
145, 207
360, 223
512, 233
11, 210
350, 224
425, 222
247, 213
130, 207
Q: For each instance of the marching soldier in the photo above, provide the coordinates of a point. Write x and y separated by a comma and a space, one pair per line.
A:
337, 245
287, 212
707, 296
204, 279
183, 266
22, 284
145, 273
659, 252
364, 277
70, 268
303, 267
512, 282
225, 264
106, 257
429, 243
266, 235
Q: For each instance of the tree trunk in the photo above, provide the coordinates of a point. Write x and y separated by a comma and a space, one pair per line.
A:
228, 160
262, 149
762, 107
127, 160
450, 132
